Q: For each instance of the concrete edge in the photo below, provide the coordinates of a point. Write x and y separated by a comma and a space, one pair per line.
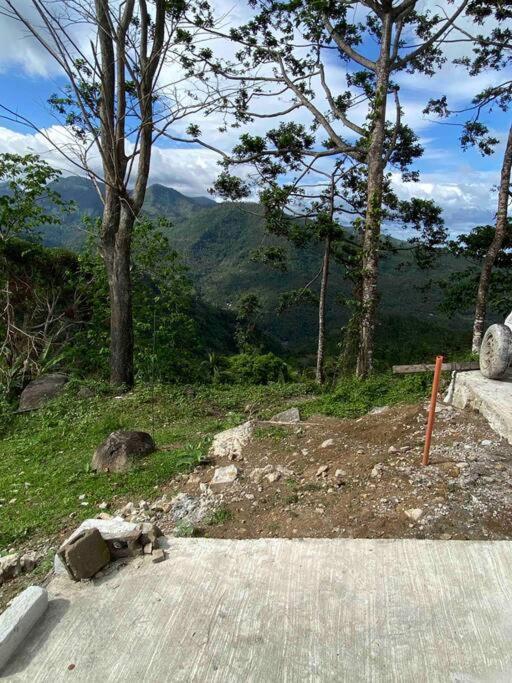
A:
19, 618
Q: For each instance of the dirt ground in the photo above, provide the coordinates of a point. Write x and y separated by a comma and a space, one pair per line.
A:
334, 478
363, 479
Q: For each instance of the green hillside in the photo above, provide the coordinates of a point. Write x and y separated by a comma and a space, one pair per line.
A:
217, 240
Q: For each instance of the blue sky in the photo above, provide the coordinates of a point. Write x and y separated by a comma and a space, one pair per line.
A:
462, 182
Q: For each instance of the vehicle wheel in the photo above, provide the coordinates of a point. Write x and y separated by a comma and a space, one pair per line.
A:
496, 351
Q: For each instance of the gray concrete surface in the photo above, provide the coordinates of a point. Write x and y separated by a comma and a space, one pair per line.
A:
285, 610
491, 397
18, 620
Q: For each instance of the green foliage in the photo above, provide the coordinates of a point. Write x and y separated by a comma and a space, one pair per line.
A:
167, 345
220, 516
460, 288
251, 368
25, 194
352, 397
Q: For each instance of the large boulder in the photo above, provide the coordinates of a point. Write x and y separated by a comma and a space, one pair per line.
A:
42, 389
121, 451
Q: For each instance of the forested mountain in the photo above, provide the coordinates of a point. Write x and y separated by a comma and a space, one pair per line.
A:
217, 241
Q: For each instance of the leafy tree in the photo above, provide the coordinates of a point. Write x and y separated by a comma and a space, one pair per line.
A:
309, 202
492, 51
26, 195
115, 106
167, 345
461, 288
288, 50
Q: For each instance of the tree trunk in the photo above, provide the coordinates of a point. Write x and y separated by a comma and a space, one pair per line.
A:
371, 235
116, 230
320, 356
494, 247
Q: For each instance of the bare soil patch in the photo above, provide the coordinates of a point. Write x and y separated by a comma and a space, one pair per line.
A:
363, 479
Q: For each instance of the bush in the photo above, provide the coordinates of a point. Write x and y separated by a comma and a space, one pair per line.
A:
249, 368
353, 397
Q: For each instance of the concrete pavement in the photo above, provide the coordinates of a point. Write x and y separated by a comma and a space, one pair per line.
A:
284, 610
491, 397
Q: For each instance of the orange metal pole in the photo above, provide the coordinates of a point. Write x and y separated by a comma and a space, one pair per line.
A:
432, 409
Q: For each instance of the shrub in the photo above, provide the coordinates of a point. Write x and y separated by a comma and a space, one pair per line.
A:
249, 368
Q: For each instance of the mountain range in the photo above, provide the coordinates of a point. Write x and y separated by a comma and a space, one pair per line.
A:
216, 240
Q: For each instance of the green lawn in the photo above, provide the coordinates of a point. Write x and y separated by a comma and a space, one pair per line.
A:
45, 455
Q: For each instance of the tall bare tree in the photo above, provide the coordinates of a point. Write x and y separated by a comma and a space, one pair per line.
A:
125, 90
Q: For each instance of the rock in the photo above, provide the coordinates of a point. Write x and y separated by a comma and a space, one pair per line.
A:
103, 506
327, 443
10, 567
129, 545
148, 549
287, 416
323, 469
340, 474
85, 392
257, 474
224, 476
486, 442
149, 533
284, 471
414, 513
392, 449
29, 561
121, 451
128, 509
231, 441
192, 509
41, 390
378, 410
158, 556
85, 554
272, 477
377, 470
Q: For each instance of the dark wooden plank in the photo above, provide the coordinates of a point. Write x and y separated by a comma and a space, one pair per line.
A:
425, 367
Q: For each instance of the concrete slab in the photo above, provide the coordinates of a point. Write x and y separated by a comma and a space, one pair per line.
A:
18, 620
491, 397
285, 610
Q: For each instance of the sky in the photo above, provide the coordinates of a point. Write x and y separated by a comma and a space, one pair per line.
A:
463, 183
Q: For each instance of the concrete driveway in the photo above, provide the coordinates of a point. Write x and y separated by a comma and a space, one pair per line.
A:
284, 610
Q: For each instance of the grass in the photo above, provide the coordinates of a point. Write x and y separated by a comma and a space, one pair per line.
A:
45, 455
220, 516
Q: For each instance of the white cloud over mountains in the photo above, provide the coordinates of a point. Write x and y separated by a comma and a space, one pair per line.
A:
464, 192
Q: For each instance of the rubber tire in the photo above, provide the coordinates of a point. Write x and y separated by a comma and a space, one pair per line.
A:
496, 351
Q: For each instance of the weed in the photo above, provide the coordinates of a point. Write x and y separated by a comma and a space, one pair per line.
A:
221, 515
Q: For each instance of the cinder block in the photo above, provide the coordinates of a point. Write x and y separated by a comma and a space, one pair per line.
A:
127, 545
18, 620
85, 554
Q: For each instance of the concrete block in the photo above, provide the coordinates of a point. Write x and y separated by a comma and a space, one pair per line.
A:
127, 545
18, 620
490, 397
85, 555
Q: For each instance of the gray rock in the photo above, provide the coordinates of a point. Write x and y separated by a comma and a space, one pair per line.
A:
327, 443
10, 567
41, 390
192, 509
414, 513
121, 451
85, 392
231, 441
287, 416
224, 476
